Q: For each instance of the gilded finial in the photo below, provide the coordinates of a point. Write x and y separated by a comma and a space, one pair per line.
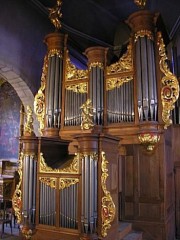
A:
55, 15
28, 127
140, 3
87, 115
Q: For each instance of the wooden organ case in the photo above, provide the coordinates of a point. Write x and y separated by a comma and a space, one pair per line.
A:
69, 183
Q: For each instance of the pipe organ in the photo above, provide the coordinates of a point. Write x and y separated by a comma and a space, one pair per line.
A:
69, 185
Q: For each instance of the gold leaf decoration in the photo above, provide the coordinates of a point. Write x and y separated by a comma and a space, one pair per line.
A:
170, 88
67, 182
117, 82
149, 140
124, 64
28, 127
55, 14
108, 209
73, 168
17, 196
142, 33
140, 3
39, 100
73, 73
51, 182
87, 115
78, 88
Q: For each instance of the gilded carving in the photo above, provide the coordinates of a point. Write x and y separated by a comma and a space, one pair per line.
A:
78, 88
51, 182
55, 14
124, 64
108, 209
87, 115
54, 52
149, 140
112, 83
28, 126
170, 88
26, 232
17, 196
140, 3
142, 33
73, 73
67, 182
39, 100
96, 64
73, 168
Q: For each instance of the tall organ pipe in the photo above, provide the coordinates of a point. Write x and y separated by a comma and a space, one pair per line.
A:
142, 24
56, 43
146, 79
97, 60
89, 194
29, 188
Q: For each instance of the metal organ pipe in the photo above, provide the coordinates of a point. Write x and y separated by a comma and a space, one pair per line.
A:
89, 194
73, 102
29, 188
146, 79
96, 93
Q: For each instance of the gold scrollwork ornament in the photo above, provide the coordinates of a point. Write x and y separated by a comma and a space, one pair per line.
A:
170, 89
124, 64
67, 182
73, 168
39, 100
17, 196
73, 73
87, 115
108, 209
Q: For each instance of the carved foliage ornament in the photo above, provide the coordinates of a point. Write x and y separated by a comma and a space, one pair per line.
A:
55, 14
143, 33
67, 182
124, 64
87, 115
149, 140
73, 73
17, 197
51, 182
96, 64
78, 88
108, 209
117, 82
170, 88
73, 168
54, 52
39, 100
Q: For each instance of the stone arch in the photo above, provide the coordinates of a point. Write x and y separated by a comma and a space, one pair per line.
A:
20, 86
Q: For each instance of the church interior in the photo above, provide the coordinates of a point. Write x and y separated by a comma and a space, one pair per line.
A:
90, 119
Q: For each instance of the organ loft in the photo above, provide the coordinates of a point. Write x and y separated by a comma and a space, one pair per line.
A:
104, 154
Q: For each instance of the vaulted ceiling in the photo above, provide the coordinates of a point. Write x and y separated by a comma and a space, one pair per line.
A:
102, 22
